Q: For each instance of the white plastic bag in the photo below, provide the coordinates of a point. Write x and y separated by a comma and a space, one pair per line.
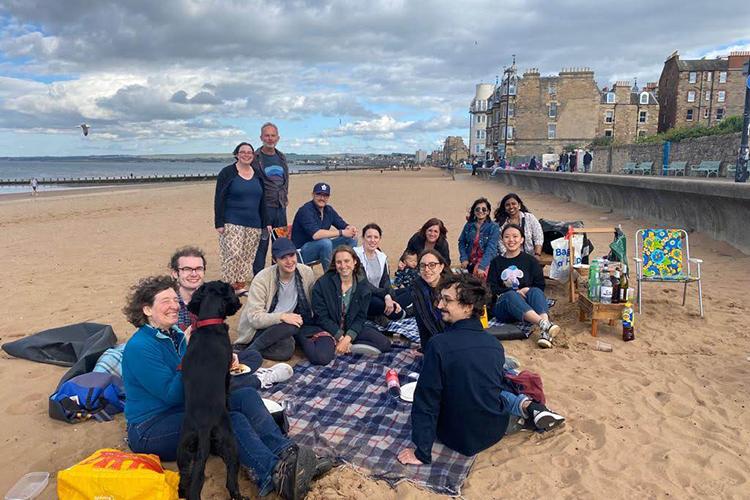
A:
561, 257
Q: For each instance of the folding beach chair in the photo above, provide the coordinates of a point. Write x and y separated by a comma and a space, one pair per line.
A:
663, 256
286, 232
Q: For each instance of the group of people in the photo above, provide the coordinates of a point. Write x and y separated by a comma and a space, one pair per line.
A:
569, 161
288, 308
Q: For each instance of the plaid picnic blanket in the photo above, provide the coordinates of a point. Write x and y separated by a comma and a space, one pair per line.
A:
408, 327
344, 410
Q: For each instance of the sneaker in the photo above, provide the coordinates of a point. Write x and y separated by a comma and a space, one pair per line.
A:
365, 349
544, 341
280, 372
548, 331
544, 419
307, 467
324, 465
285, 474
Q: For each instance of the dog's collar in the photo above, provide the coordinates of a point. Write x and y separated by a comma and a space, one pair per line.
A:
207, 322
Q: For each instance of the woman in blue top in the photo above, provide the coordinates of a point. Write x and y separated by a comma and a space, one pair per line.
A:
239, 217
155, 404
477, 244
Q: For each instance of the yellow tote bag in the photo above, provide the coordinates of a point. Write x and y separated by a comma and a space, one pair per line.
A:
111, 474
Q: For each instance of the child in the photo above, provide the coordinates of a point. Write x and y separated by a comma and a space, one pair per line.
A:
404, 277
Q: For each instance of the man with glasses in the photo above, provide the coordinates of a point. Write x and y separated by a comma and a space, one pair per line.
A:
318, 229
188, 266
274, 172
462, 397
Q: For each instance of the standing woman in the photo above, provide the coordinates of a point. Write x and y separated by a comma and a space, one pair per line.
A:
478, 242
239, 216
431, 236
375, 264
517, 279
512, 211
432, 268
340, 299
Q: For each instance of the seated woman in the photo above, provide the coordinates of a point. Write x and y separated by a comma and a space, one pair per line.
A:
340, 299
511, 210
517, 279
478, 242
155, 405
431, 236
432, 267
375, 264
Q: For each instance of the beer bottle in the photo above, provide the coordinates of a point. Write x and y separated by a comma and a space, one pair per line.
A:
624, 284
616, 287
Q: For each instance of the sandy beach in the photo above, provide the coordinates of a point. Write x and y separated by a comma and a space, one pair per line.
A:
664, 416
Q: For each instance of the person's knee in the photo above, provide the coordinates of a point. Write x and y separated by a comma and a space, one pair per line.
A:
282, 350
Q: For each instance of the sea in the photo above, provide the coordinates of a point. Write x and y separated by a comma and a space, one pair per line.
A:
78, 168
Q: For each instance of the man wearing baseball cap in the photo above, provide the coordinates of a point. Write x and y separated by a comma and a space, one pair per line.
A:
318, 228
278, 305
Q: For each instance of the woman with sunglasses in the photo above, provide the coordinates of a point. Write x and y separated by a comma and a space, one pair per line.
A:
477, 244
432, 267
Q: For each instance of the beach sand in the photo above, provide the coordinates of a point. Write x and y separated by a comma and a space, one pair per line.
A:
664, 416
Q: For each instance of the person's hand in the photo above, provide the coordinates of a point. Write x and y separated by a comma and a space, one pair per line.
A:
390, 305
522, 291
407, 457
344, 345
292, 319
269, 228
220, 230
235, 362
464, 264
480, 273
350, 231
401, 265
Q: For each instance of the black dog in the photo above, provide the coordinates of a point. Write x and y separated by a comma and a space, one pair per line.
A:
205, 375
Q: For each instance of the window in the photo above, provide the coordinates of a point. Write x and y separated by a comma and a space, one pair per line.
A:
641, 133
708, 75
689, 115
691, 95
722, 77
551, 131
484, 134
552, 88
705, 113
644, 97
692, 76
707, 95
479, 118
477, 149
552, 110
719, 113
607, 133
609, 116
510, 133
511, 110
479, 134
721, 96
610, 97
642, 117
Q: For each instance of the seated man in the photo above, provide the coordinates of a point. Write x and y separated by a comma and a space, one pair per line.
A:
278, 306
311, 229
462, 397
188, 267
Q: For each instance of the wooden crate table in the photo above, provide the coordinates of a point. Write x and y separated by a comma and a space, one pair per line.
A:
598, 312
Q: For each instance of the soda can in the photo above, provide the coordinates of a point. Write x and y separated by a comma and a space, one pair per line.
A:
391, 381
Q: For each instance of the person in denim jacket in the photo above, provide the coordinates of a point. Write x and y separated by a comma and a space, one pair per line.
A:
478, 243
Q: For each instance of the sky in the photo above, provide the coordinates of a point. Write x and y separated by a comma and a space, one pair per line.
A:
336, 76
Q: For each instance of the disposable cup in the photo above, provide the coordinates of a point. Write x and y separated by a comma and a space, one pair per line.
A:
603, 346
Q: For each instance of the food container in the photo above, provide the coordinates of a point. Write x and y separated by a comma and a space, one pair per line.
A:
28, 487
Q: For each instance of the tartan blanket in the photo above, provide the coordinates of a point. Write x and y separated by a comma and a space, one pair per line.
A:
343, 410
408, 327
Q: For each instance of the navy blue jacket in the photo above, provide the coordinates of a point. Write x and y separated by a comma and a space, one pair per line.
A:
308, 221
417, 241
327, 306
223, 180
457, 399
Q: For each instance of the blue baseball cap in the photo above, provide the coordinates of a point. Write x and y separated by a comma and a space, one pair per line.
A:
322, 188
282, 247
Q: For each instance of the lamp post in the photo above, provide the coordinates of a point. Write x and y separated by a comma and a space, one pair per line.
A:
508, 72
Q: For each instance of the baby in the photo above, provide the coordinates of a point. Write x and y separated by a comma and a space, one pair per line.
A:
404, 277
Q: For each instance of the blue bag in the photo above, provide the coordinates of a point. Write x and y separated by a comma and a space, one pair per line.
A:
90, 395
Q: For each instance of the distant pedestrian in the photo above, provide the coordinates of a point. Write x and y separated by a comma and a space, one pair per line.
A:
532, 163
34, 184
563, 161
573, 161
587, 158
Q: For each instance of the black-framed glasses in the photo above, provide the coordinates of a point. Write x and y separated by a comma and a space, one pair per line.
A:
428, 265
189, 270
445, 299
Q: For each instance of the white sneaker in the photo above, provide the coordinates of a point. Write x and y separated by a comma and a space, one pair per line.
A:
280, 372
365, 349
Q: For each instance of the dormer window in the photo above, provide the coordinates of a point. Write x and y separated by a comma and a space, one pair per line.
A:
644, 97
610, 97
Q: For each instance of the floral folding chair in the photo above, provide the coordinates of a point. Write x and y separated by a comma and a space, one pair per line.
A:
663, 255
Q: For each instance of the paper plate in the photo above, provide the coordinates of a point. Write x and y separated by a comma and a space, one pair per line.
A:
272, 406
241, 370
407, 391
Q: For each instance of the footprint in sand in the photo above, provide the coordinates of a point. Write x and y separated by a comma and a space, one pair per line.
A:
594, 432
27, 406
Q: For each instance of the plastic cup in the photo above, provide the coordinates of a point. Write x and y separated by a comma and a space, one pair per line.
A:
28, 487
603, 346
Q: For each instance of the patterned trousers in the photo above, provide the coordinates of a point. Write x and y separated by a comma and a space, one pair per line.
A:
237, 248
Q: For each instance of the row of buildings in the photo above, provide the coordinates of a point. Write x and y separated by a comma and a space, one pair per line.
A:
527, 114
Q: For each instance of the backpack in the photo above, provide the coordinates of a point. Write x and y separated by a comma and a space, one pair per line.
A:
90, 395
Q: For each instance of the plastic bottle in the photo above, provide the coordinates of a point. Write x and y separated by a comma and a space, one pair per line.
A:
594, 281
628, 327
391, 380
605, 285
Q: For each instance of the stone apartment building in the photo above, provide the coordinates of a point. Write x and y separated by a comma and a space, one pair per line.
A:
478, 113
701, 92
626, 113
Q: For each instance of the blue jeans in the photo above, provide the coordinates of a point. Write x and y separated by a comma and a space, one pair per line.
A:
322, 250
512, 403
259, 439
276, 218
511, 306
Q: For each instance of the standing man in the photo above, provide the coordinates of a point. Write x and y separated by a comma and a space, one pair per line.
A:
462, 397
188, 267
274, 173
311, 229
34, 185
587, 161
573, 160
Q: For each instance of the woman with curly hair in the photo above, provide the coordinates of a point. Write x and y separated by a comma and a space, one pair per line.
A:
511, 210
